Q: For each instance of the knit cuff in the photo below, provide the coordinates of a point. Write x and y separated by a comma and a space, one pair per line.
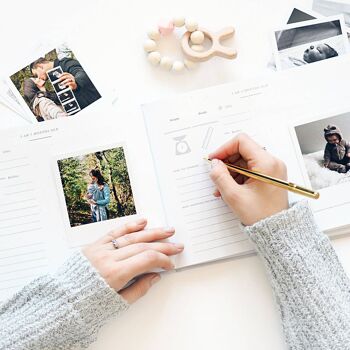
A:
91, 298
288, 228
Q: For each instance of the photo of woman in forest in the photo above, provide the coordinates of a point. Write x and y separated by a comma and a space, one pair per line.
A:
96, 186
98, 196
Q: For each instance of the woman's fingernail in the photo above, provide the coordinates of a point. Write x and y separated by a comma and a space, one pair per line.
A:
179, 246
214, 162
140, 221
155, 279
169, 229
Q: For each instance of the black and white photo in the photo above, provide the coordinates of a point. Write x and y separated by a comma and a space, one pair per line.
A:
55, 73
66, 96
311, 41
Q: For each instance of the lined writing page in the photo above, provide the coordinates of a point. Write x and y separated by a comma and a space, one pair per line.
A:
209, 223
180, 135
22, 248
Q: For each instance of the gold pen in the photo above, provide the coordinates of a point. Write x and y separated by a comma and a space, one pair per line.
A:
290, 186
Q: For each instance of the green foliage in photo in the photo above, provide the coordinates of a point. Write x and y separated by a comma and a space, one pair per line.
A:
75, 179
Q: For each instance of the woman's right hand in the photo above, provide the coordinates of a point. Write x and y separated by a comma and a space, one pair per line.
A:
250, 199
139, 251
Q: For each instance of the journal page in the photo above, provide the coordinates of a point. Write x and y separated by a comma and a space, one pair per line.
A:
27, 238
309, 130
182, 131
64, 185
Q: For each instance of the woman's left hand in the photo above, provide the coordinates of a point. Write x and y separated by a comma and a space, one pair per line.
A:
139, 251
91, 201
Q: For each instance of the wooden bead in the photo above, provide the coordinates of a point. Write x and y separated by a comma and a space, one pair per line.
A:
166, 62
154, 34
150, 45
154, 57
191, 25
179, 21
190, 64
197, 37
197, 48
178, 66
165, 27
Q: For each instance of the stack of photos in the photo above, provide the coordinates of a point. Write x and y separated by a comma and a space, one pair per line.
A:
54, 85
325, 149
310, 41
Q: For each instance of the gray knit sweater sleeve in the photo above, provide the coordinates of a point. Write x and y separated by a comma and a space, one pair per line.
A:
60, 311
310, 285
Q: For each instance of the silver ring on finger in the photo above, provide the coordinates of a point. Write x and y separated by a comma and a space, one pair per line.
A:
115, 243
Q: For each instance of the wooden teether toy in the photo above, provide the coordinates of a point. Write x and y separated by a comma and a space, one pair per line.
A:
191, 42
216, 49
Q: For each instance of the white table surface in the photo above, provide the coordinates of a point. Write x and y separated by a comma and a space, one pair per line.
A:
223, 305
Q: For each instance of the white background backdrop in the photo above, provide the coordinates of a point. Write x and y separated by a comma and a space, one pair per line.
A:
224, 305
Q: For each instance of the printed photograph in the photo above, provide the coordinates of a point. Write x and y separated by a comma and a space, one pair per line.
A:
309, 43
333, 7
325, 147
55, 85
96, 187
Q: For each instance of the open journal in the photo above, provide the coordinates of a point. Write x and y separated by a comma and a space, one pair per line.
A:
152, 165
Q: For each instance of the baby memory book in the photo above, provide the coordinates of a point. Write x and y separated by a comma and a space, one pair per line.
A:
66, 182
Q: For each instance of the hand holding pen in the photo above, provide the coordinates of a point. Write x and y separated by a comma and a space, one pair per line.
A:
251, 199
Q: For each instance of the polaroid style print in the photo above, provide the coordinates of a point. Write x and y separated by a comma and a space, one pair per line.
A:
296, 15
323, 149
39, 85
309, 42
95, 186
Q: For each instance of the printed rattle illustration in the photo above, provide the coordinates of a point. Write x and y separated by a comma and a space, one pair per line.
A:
191, 43
181, 145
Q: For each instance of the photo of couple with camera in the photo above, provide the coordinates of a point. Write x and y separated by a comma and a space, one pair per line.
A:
39, 94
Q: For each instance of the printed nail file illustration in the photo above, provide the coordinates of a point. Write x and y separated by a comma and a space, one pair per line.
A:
65, 94
207, 137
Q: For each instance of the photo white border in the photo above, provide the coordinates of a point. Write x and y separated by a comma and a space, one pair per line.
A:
329, 196
308, 23
40, 51
84, 234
